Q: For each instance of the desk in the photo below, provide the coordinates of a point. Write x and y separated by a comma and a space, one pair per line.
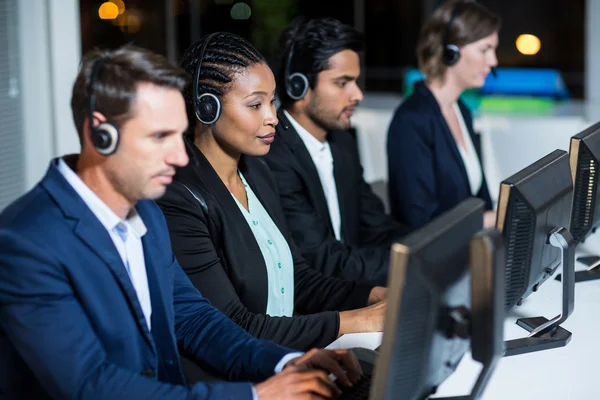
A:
563, 374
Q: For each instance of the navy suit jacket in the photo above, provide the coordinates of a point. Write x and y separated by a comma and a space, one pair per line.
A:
73, 326
426, 173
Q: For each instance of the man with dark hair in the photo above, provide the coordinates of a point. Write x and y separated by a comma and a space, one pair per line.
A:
336, 220
92, 300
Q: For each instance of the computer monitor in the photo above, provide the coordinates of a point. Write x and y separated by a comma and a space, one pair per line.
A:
431, 313
584, 153
533, 215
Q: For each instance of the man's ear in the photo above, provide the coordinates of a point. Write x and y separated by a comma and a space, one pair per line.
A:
303, 103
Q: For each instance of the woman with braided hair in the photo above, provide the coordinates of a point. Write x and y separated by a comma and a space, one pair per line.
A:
227, 227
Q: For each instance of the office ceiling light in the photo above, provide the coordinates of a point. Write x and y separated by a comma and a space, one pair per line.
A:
120, 5
528, 44
108, 10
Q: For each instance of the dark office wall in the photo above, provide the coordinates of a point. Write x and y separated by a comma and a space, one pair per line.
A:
560, 26
391, 28
104, 33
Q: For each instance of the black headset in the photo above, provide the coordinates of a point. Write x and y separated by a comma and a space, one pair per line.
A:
105, 136
207, 106
296, 84
451, 52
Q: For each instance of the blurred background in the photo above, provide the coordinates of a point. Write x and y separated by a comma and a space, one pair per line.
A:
546, 89
391, 28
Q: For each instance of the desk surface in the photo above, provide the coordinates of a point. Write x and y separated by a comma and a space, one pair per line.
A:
565, 373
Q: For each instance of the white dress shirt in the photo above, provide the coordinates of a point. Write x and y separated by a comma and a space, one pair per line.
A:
469, 157
126, 235
323, 160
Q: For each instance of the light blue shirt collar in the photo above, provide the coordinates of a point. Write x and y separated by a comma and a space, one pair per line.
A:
106, 216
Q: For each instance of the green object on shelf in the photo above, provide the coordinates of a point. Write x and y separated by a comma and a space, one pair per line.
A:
514, 104
517, 105
472, 99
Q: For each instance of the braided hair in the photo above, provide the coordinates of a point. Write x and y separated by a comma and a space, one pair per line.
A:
226, 56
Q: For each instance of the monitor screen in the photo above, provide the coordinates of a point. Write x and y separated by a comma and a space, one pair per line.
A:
531, 204
428, 282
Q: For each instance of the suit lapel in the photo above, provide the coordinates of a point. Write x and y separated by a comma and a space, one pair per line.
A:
306, 167
93, 234
264, 196
451, 144
341, 182
161, 332
446, 133
199, 172
254, 185
200, 168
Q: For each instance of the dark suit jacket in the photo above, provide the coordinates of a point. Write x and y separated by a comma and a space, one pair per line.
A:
216, 248
367, 231
426, 173
74, 327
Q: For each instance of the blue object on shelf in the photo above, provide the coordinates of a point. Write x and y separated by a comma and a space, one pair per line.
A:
542, 82
411, 77
470, 97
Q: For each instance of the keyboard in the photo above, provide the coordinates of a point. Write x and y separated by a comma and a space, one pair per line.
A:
360, 391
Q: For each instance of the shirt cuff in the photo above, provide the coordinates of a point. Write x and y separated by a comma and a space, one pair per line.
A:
287, 358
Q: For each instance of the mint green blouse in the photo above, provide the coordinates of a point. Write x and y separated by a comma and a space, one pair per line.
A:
276, 253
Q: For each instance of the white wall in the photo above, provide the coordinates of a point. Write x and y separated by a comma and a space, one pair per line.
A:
592, 53
65, 44
49, 38
592, 59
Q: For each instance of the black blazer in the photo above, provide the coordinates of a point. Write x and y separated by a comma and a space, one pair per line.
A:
216, 248
426, 173
367, 231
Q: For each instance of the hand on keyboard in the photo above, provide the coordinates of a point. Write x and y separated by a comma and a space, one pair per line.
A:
341, 363
298, 383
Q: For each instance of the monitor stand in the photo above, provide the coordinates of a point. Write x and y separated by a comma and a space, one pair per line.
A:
484, 324
590, 274
548, 334
482, 380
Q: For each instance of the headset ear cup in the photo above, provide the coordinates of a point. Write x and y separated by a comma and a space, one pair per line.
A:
105, 138
208, 108
451, 54
297, 86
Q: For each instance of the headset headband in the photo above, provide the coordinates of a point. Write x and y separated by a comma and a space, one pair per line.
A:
95, 73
